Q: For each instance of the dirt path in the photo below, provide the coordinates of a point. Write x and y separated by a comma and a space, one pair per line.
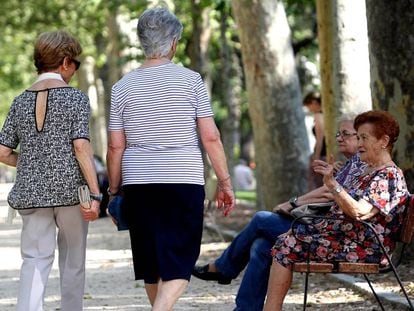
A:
110, 284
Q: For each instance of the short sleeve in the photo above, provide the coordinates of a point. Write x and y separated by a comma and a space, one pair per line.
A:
115, 113
203, 109
8, 135
386, 190
80, 124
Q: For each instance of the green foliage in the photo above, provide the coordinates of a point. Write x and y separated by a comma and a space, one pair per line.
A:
22, 21
25, 20
249, 196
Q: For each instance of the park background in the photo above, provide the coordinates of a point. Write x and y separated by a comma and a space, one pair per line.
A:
257, 57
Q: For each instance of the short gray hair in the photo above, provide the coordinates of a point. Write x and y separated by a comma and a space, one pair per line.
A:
157, 28
347, 117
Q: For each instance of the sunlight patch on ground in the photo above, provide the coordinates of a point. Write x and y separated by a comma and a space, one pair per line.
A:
213, 247
340, 295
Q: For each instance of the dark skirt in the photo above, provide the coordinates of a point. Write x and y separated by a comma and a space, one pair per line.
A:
165, 225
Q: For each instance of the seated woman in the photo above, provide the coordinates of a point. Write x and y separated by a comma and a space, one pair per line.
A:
378, 196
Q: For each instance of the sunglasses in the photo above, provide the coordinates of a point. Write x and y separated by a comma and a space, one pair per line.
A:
76, 62
344, 134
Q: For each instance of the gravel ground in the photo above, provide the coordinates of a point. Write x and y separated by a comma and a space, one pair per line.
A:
110, 284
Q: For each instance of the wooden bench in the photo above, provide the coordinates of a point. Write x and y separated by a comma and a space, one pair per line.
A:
405, 238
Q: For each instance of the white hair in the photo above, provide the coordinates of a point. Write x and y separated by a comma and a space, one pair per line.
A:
347, 117
157, 28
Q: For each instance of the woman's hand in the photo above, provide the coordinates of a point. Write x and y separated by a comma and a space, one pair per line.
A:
283, 208
327, 171
111, 197
337, 166
91, 211
225, 200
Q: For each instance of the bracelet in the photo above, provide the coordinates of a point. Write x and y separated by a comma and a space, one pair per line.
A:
110, 193
225, 189
224, 179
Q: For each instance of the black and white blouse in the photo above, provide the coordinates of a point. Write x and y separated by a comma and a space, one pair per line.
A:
48, 173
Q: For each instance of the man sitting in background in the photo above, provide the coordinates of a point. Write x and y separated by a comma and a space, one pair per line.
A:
243, 177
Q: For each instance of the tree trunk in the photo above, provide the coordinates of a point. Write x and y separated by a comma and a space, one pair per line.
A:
231, 130
343, 43
391, 44
275, 102
199, 42
90, 83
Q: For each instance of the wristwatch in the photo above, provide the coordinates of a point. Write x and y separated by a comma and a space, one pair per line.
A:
294, 201
337, 189
97, 197
110, 193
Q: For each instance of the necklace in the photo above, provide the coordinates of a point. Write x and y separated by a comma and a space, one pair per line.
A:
49, 75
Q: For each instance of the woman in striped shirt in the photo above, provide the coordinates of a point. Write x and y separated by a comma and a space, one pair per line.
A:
159, 114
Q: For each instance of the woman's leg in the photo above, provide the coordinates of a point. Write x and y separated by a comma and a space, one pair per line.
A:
72, 233
168, 293
280, 280
151, 290
38, 251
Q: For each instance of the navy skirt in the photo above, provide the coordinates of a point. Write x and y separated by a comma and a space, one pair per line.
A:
165, 226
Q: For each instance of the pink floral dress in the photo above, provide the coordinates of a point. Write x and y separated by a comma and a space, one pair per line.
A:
342, 240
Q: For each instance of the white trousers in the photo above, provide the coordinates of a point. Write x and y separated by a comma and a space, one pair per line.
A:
38, 243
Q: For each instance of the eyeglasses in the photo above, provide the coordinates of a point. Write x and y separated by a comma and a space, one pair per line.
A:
76, 62
344, 134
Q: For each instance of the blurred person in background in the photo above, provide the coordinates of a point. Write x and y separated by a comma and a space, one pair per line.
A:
312, 102
243, 177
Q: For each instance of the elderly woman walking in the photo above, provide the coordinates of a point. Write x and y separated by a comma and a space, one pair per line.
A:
50, 122
158, 114
378, 196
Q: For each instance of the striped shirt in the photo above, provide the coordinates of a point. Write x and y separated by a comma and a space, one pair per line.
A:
157, 108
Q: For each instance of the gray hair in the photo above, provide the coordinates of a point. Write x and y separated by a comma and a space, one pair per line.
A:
347, 117
157, 28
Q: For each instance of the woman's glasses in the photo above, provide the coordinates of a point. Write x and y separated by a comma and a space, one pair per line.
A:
76, 62
344, 134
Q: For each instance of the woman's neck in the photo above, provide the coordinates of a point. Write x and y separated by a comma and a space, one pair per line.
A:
48, 75
374, 166
48, 80
152, 62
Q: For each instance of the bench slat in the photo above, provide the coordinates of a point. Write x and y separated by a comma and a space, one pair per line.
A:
350, 267
316, 267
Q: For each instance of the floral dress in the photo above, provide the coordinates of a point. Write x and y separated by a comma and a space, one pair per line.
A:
342, 240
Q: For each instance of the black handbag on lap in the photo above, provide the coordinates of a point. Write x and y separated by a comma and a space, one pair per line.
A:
310, 209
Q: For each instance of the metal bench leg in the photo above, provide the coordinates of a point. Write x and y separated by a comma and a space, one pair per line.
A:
373, 291
305, 294
401, 285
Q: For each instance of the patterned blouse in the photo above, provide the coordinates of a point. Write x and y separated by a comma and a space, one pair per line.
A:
342, 240
48, 173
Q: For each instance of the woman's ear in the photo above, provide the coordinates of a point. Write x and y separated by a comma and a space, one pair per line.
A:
66, 63
385, 141
174, 45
